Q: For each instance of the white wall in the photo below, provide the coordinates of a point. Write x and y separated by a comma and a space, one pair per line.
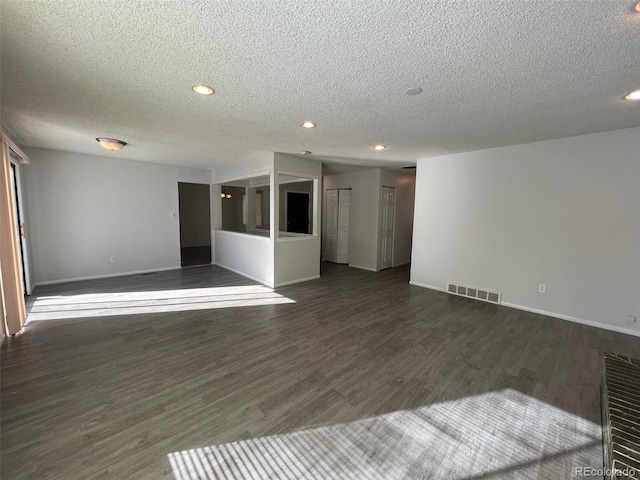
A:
298, 259
403, 227
248, 255
83, 209
365, 202
564, 212
366, 208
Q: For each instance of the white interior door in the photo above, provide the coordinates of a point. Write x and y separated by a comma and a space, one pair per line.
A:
387, 222
331, 253
344, 222
338, 222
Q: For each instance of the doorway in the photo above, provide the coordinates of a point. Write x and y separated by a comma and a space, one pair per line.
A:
16, 190
338, 225
387, 223
195, 224
298, 212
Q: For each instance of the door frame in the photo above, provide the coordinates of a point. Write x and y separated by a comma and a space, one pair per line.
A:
16, 169
177, 215
393, 227
325, 239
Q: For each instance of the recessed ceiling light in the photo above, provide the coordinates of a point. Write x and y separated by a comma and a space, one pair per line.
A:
379, 147
308, 124
202, 89
111, 143
635, 95
413, 91
305, 152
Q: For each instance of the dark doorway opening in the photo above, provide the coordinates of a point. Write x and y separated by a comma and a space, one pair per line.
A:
195, 224
298, 212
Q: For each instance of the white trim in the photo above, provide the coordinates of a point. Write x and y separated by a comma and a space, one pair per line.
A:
569, 318
310, 212
401, 264
242, 234
307, 176
21, 220
248, 176
250, 277
561, 316
108, 275
303, 236
430, 287
300, 280
393, 229
24, 158
369, 269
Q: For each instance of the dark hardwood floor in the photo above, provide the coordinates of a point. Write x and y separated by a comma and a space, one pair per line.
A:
192, 256
201, 373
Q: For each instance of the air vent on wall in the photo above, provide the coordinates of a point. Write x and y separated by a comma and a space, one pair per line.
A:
481, 294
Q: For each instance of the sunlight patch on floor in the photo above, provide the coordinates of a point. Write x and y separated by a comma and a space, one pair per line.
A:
493, 435
127, 303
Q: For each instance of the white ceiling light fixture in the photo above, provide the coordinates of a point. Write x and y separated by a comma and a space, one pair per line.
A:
379, 147
635, 95
110, 143
305, 152
413, 91
308, 124
203, 89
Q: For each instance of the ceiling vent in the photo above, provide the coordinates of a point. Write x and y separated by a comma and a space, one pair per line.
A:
481, 294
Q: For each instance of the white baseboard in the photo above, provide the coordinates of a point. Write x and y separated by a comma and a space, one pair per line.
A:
590, 323
424, 285
400, 264
251, 277
300, 280
108, 275
368, 269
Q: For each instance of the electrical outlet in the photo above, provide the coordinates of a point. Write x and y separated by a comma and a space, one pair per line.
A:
112, 259
542, 288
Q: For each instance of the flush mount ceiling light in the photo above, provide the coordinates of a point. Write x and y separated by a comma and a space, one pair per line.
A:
110, 143
305, 152
308, 124
379, 147
635, 95
413, 91
203, 89
638, 7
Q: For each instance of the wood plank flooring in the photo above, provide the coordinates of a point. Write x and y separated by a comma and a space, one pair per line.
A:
201, 373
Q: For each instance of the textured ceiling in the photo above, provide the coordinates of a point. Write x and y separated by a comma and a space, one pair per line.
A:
493, 73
